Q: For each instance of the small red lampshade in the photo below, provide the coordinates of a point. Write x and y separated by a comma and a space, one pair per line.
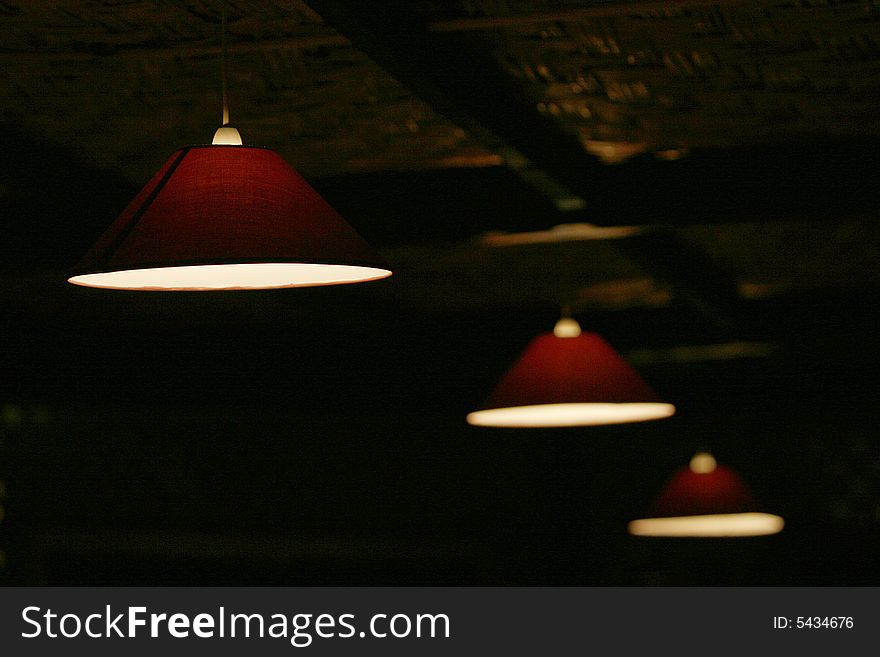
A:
705, 500
224, 217
568, 378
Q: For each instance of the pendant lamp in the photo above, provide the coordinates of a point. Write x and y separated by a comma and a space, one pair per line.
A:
568, 378
706, 500
227, 217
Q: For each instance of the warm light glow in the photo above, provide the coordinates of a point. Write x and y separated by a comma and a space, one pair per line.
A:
614, 152
561, 233
703, 463
569, 415
567, 328
250, 276
671, 154
714, 525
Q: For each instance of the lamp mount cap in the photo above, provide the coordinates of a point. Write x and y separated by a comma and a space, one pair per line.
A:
226, 135
567, 327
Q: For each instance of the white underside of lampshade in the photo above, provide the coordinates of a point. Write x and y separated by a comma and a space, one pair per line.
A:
570, 414
247, 276
713, 525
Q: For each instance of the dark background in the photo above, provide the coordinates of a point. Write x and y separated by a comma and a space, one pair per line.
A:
317, 436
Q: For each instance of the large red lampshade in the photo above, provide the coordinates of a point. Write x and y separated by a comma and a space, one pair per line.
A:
227, 217
568, 378
706, 500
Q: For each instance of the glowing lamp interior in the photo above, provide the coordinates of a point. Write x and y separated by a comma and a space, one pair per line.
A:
708, 526
250, 276
570, 414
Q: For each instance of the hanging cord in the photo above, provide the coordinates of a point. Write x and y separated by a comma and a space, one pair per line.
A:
565, 292
566, 326
223, 58
226, 135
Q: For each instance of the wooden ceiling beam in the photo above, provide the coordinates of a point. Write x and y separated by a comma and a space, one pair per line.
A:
183, 49
466, 91
466, 85
601, 10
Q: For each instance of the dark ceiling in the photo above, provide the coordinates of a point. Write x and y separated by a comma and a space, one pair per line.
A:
697, 180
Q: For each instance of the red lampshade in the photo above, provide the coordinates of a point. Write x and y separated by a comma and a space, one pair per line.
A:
227, 217
706, 499
568, 378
